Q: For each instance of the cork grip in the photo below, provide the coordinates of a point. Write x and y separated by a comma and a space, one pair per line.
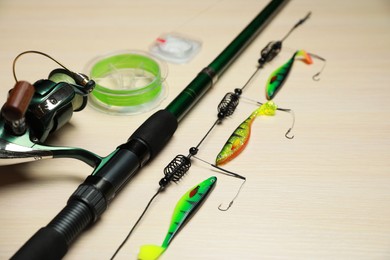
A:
18, 101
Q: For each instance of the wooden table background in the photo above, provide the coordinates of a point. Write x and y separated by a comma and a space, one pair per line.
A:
323, 195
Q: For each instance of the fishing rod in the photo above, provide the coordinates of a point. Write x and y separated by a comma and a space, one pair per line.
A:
112, 173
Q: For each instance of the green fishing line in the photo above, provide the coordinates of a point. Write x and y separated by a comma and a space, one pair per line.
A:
127, 83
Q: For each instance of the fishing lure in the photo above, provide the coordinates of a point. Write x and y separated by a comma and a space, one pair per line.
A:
185, 208
240, 137
277, 78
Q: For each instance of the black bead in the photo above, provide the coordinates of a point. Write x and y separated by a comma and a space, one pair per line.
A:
194, 150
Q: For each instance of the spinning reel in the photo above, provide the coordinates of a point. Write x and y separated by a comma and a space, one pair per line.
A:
33, 111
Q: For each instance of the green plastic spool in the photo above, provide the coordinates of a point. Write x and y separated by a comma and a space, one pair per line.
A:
127, 83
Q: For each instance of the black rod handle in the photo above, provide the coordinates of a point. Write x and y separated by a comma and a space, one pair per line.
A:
51, 242
92, 197
47, 243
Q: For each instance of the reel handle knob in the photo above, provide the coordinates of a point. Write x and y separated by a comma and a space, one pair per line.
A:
18, 101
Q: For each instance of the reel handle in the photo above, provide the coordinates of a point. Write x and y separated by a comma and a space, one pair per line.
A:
18, 101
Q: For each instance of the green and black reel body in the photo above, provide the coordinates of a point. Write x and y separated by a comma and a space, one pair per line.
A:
32, 112
52, 106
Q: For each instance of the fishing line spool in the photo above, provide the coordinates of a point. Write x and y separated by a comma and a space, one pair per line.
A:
175, 48
127, 82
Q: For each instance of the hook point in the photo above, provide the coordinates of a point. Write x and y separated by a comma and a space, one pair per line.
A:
287, 134
316, 77
227, 208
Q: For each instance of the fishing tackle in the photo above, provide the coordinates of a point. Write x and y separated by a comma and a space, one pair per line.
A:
240, 136
277, 78
111, 173
184, 210
230, 101
181, 164
173, 172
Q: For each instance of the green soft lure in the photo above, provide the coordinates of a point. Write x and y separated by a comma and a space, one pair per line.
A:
240, 137
279, 76
185, 208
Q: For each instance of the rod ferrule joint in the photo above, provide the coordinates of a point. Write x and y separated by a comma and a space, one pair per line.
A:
211, 73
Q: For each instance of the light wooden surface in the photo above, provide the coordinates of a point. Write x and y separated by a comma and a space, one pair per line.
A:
323, 195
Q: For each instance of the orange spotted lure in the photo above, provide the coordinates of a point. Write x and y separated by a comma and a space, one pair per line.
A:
240, 137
